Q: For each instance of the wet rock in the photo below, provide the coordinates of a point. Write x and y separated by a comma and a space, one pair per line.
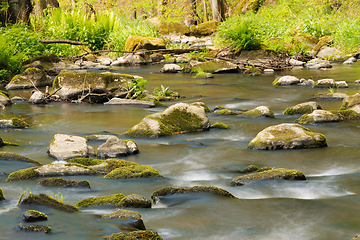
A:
306, 82
64, 146
165, 191
135, 43
133, 171
112, 148
318, 116
156, 57
171, 68
134, 201
63, 183
1, 195
349, 61
250, 168
113, 199
278, 173
204, 75
347, 114
204, 29
325, 83
302, 108
326, 52
43, 199
146, 234
33, 216
219, 125
13, 123
5, 100
61, 169
23, 174
225, 111
33, 228
130, 102
294, 62
318, 63
16, 157
215, 66
351, 103
357, 81
102, 165
287, 136
261, 111
18, 99
137, 58
98, 137
132, 146
120, 62
178, 118
286, 81
74, 85
134, 218
341, 84
38, 98
29, 78
330, 96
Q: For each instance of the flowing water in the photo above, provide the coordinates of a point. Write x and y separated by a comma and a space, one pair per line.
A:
325, 206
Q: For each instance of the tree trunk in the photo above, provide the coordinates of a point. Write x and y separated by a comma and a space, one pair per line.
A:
41, 5
3, 12
192, 19
218, 8
19, 10
205, 11
73, 3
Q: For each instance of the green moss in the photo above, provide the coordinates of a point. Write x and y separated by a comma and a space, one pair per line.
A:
305, 119
253, 71
140, 133
264, 169
220, 125
201, 104
159, 104
226, 111
203, 75
346, 114
113, 199
134, 201
33, 215
135, 235
43, 199
114, 163
248, 5
282, 173
350, 102
16, 157
1, 195
63, 183
23, 174
134, 171
204, 29
165, 191
173, 27
33, 228
18, 123
250, 168
299, 110
86, 161
276, 81
135, 43
256, 114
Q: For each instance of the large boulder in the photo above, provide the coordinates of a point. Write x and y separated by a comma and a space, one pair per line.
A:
204, 29
114, 147
135, 43
64, 146
318, 116
38, 98
74, 85
278, 173
325, 83
302, 108
287, 136
215, 66
178, 118
351, 103
286, 81
4, 99
165, 28
30, 78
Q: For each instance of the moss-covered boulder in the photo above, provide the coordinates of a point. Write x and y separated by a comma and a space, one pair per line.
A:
43, 199
1, 195
30, 78
74, 85
215, 66
23, 174
133, 171
59, 182
64, 146
45, 62
13, 123
250, 168
325, 83
248, 5
5, 100
330, 96
302, 108
113, 199
286, 81
134, 235
178, 118
16, 157
165, 191
261, 111
133, 218
219, 125
351, 103
102, 165
287, 136
135, 43
253, 71
204, 29
346, 114
225, 111
166, 28
33, 228
33, 216
134, 201
318, 116
278, 173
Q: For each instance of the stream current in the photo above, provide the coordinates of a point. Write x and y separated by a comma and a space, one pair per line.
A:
325, 206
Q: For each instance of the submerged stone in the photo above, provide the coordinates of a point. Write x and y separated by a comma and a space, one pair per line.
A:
287, 136
280, 173
33, 216
16, 157
63, 183
1, 195
33, 228
146, 234
219, 125
134, 217
302, 108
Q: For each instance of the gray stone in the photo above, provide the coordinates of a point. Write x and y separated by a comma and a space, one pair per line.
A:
38, 98
64, 146
286, 80
318, 63
351, 60
294, 62
326, 52
171, 68
325, 83
318, 116
341, 84
132, 102
113, 148
29, 78
61, 169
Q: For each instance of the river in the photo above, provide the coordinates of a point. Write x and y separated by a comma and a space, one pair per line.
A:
325, 206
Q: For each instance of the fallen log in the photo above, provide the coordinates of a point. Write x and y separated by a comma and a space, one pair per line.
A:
63, 41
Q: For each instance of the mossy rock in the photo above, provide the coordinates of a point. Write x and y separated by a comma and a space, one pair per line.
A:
33, 228
165, 191
287, 136
16, 157
286, 81
30, 78
330, 96
346, 114
135, 43
351, 102
86, 161
318, 116
18, 123
219, 125
178, 118
50, 58
203, 75
278, 173
261, 111
302, 108
204, 29
264, 169
253, 71
250, 168
23, 174
215, 66
113, 199
165, 28
134, 201
136, 223
113, 163
33, 216
201, 104
134, 171
63, 183
226, 111
248, 5
43, 199
1, 195
135, 235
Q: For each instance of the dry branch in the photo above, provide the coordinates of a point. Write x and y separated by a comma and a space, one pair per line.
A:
63, 41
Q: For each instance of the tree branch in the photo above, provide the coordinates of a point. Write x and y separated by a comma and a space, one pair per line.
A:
63, 41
